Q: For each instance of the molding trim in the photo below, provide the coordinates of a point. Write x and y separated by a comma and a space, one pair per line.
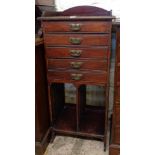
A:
40, 147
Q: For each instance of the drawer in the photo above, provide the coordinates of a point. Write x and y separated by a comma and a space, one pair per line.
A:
77, 64
68, 52
77, 26
117, 135
77, 76
78, 39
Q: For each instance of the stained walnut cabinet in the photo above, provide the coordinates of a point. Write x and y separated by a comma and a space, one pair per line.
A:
77, 51
42, 119
115, 135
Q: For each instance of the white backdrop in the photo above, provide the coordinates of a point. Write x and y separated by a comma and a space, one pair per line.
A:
113, 5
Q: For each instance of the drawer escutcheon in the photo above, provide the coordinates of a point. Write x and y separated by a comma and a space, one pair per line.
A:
75, 27
76, 65
76, 76
75, 53
75, 41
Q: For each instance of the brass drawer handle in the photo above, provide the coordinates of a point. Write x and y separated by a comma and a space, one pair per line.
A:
76, 76
75, 53
75, 27
75, 41
76, 65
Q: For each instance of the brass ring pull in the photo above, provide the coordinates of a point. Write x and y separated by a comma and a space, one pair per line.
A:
75, 53
76, 76
75, 27
76, 65
75, 41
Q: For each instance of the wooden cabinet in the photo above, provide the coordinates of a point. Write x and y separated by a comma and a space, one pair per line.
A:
42, 119
77, 51
115, 135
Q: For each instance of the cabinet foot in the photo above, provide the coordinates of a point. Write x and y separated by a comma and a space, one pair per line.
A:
53, 134
105, 147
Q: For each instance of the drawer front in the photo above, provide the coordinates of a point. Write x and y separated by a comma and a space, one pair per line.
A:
77, 64
117, 135
77, 26
63, 52
80, 39
114, 151
77, 76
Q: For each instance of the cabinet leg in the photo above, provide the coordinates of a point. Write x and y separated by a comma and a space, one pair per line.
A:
49, 101
106, 117
105, 147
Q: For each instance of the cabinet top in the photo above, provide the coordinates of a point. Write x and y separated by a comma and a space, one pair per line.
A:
79, 13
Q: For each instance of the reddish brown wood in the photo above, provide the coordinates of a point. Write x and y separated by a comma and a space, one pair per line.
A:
106, 122
87, 11
79, 134
57, 96
41, 99
50, 104
42, 121
117, 95
117, 75
117, 116
115, 143
92, 120
76, 18
85, 39
85, 26
93, 38
66, 119
117, 135
114, 150
87, 77
66, 64
86, 52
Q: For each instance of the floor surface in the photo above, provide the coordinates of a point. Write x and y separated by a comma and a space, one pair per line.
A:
75, 146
